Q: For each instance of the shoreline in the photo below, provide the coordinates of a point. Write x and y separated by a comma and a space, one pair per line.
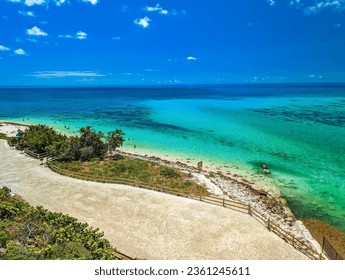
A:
271, 205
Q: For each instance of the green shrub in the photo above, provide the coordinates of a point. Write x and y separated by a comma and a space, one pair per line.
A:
169, 173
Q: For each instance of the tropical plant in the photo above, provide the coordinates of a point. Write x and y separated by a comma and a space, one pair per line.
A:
115, 139
35, 233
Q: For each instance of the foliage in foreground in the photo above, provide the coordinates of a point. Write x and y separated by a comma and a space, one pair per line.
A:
35, 233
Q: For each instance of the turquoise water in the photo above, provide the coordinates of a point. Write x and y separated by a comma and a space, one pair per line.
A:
299, 130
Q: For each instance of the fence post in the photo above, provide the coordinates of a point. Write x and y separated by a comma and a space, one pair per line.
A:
249, 209
223, 201
268, 224
293, 240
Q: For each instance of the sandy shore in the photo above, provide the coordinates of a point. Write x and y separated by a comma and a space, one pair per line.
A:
236, 187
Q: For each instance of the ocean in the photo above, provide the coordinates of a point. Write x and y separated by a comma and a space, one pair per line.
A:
298, 130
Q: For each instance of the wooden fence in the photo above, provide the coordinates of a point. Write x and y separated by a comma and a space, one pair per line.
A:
295, 241
35, 155
329, 250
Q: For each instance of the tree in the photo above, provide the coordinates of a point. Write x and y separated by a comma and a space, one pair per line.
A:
42, 138
91, 143
115, 139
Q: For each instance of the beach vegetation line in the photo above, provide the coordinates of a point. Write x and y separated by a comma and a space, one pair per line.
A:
88, 145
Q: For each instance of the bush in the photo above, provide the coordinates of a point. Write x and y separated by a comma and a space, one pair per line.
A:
35, 233
169, 173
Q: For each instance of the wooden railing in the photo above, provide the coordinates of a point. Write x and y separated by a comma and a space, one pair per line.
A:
35, 155
293, 240
122, 256
330, 251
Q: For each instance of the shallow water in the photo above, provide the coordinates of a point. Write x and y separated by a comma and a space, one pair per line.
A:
299, 131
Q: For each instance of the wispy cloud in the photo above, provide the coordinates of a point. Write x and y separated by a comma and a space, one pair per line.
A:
123, 8
152, 70
65, 74
143, 22
191, 58
271, 2
93, 2
81, 35
66, 36
337, 5
318, 6
27, 13
19, 52
60, 2
3, 48
178, 13
156, 8
35, 31
34, 2
30, 3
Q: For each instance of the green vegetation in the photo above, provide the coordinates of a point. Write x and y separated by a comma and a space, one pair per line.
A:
146, 172
88, 145
35, 233
3, 136
41, 138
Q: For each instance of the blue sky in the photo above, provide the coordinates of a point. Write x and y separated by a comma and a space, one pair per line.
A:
165, 42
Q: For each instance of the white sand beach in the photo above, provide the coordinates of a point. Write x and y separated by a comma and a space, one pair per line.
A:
140, 223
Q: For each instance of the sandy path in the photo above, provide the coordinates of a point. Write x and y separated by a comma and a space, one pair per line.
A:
142, 223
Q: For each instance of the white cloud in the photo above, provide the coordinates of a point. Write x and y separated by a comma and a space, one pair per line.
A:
191, 58
271, 2
143, 22
66, 36
3, 48
47, 2
34, 2
81, 35
35, 31
318, 6
156, 8
27, 13
33, 40
93, 2
116, 38
60, 2
19, 52
66, 74
336, 5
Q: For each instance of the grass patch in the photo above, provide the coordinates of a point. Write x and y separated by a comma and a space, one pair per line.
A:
3, 136
147, 172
